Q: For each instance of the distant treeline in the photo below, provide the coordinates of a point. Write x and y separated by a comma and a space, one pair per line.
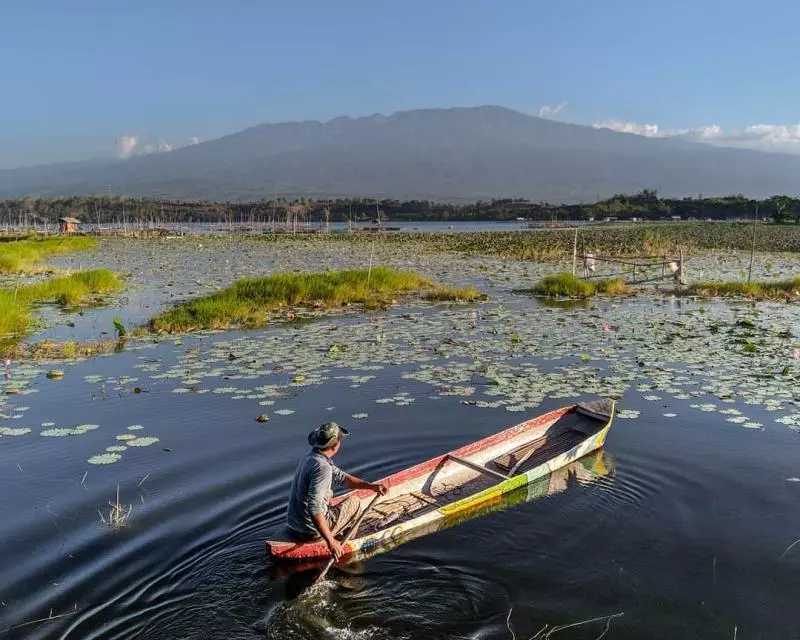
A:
645, 205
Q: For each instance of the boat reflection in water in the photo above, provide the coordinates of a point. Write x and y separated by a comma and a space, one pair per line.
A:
582, 472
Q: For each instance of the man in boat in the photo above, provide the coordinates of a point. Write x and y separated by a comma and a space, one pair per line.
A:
310, 515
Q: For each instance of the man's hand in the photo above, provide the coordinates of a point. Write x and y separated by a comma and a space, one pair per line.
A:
336, 549
378, 488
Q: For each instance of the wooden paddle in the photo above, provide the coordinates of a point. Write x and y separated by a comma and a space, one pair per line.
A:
349, 535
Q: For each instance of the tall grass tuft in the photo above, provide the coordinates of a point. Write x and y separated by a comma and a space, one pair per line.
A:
22, 255
251, 301
70, 289
14, 317
565, 284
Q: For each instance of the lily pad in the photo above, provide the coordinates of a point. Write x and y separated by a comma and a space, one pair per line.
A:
104, 458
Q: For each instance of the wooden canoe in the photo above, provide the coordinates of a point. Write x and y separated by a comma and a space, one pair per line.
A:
453, 484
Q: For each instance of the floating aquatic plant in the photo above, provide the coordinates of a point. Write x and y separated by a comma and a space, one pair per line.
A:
12, 431
59, 432
144, 441
104, 458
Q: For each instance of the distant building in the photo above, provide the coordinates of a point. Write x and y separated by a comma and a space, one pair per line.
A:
68, 225
675, 218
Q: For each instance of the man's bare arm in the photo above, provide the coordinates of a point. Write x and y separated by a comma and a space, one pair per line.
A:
353, 482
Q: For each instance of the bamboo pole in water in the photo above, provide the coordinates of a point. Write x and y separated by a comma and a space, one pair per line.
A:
574, 251
753, 246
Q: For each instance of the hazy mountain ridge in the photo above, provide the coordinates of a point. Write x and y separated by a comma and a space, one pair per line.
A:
439, 154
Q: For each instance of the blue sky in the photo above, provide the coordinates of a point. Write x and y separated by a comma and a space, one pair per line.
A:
78, 74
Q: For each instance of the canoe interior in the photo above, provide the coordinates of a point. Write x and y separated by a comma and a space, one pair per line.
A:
451, 480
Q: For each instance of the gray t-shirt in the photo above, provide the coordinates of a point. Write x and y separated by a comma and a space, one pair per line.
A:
311, 492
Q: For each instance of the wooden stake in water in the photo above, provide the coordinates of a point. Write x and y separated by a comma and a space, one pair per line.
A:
574, 251
349, 535
753, 247
371, 253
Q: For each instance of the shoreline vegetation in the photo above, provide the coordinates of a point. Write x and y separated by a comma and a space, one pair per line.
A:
644, 205
16, 306
24, 255
545, 245
251, 302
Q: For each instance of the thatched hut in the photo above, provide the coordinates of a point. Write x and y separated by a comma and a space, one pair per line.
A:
68, 225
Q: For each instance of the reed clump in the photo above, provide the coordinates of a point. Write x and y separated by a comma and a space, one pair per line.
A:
118, 513
250, 302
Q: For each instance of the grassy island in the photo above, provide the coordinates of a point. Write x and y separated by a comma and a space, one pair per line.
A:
77, 288
565, 284
250, 302
23, 255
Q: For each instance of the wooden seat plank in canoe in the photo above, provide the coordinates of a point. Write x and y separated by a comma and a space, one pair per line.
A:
541, 450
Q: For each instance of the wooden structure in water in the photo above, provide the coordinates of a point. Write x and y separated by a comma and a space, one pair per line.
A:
637, 269
640, 269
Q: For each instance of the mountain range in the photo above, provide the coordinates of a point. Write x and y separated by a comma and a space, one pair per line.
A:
459, 155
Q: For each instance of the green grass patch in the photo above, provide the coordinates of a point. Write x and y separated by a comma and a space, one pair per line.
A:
23, 255
250, 302
565, 284
776, 290
14, 316
71, 289
16, 306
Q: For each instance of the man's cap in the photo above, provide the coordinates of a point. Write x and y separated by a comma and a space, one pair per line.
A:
326, 435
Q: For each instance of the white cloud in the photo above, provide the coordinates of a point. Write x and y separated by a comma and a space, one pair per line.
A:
646, 130
546, 111
126, 143
136, 144
764, 137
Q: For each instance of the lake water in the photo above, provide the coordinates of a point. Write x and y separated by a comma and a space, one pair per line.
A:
684, 524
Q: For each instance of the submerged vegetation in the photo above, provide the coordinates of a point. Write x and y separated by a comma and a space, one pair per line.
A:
23, 255
565, 284
775, 290
77, 288
249, 302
